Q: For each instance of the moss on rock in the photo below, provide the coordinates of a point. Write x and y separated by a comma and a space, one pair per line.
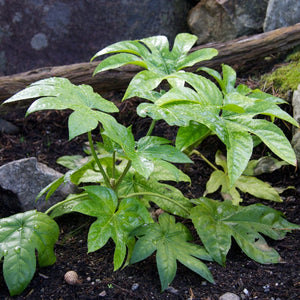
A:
285, 78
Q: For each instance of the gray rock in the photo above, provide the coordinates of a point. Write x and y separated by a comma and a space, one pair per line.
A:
2, 62
8, 127
281, 14
39, 41
296, 104
41, 33
229, 296
296, 137
213, 20
25, 178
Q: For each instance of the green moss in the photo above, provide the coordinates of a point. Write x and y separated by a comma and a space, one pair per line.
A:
286, 78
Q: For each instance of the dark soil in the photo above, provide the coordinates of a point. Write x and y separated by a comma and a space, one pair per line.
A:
45, 136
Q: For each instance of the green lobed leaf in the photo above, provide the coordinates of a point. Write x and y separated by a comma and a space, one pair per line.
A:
207, 92
229, 78
191, 135
133, 47
21, 236
219, 179
170, 240
258, 94
239, 153
142, 83
215, 74
246, 184
196, 57
154, 148
113, 221
88, 107
271, 135
167, 197
118, 60
164, 171
182, 114
216, 222
182, 44
257, 188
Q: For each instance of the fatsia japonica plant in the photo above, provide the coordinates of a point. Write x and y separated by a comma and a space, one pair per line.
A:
123, 180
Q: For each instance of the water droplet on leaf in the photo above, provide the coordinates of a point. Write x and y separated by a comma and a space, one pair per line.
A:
17, 249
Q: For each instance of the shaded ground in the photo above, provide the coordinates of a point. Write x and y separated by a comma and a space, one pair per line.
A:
44, 135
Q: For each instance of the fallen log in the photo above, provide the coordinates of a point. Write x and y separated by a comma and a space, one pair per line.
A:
237, 53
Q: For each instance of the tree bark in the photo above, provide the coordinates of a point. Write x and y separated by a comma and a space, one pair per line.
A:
238, 53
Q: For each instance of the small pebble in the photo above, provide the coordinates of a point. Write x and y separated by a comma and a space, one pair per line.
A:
71, 278
171, 290
246, 292
229, 296
266, 288
134, 287
102, 294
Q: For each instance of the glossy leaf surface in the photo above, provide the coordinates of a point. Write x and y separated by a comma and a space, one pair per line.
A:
154, 55
246, 184
89, 108
21, 235
164, 195
114, 220
170, 240
217, 222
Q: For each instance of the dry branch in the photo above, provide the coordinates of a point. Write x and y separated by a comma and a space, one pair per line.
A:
237, 53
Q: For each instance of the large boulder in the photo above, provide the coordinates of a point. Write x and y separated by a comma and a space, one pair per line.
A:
281, 14
22, 180
41, 33
223, 20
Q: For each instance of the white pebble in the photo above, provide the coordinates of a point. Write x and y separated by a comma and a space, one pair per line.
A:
71, 278
135, 286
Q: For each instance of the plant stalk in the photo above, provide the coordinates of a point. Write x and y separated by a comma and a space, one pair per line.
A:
151, 128
122, 175
61, 203
205, 159
102, 171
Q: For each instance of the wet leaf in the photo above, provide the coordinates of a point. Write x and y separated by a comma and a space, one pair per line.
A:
21, 235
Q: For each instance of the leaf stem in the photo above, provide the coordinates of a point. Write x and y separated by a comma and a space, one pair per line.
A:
62, 202
159, 196
122, 175
204, 158
151, 128
105, 177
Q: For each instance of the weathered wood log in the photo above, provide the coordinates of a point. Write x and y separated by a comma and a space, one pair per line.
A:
237, 53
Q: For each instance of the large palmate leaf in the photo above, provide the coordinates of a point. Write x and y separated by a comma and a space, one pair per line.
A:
154, 55
89, 108
114, 220
163, 195
217, 222
202, 110
21, 235
170, 240
247, 184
